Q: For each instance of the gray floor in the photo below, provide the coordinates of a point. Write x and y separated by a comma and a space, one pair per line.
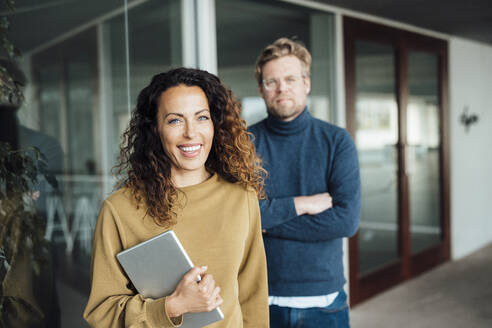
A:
72, 304
456, 294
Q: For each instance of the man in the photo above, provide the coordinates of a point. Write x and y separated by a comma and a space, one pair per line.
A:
313, 194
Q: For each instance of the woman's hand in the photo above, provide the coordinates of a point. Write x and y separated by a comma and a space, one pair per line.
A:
192, 295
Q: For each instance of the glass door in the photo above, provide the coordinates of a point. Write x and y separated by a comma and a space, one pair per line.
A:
376, 138
395, 96
422, 150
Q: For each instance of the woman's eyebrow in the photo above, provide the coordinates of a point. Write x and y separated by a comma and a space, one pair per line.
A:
177, 114
203, 110
182, 115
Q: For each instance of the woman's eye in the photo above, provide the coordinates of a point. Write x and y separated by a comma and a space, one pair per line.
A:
173, 121
203, 118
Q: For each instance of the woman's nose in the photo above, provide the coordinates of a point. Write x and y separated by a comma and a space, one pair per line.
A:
189, 131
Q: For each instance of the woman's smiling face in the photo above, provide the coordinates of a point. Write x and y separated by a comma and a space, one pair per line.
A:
186, 131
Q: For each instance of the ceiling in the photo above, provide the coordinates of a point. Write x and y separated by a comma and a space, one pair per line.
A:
35, 22
471, 19
46, 19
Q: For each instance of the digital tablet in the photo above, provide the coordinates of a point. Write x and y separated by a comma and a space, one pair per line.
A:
156, 266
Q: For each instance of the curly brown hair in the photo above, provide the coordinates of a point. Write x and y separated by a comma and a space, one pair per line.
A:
143, 165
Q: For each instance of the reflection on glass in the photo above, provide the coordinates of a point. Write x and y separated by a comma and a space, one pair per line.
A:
79, 105
423, 148
376, 137
265, 23
49, 100
82, 159
154, 36
71, 210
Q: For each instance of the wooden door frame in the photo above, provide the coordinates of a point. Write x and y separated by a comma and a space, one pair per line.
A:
407, 266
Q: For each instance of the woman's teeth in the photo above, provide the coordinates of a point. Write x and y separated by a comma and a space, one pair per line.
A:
190, 149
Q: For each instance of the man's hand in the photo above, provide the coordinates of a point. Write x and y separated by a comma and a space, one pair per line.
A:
313, 204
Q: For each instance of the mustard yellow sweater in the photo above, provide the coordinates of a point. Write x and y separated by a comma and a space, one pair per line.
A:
219, 226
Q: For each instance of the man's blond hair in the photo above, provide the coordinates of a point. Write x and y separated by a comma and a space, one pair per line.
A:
280, 48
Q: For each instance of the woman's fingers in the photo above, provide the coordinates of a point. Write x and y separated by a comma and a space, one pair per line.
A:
198, 295
214, 300
194, 274
218, 301
215, 294
207, 284
210, 292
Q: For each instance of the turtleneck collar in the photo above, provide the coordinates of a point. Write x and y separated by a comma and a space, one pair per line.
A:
295, 126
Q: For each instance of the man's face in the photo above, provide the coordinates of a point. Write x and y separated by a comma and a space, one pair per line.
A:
284, 87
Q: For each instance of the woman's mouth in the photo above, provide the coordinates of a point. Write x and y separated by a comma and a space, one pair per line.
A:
190, 150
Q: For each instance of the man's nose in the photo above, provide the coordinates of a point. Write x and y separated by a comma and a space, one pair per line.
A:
282, 85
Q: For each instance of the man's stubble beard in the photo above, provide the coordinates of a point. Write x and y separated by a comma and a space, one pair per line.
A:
287, 112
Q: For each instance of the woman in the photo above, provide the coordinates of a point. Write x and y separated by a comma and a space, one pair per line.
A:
188, 165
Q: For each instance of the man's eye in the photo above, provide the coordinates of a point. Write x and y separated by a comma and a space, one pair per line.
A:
291, 79
271, 83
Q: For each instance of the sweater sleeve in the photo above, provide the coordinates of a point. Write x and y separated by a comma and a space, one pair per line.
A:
276, 211
112, 302
342, 220
252, 276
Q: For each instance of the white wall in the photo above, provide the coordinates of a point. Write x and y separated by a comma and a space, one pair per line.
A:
470, 84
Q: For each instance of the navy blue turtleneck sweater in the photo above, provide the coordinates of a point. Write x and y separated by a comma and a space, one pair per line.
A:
303, 157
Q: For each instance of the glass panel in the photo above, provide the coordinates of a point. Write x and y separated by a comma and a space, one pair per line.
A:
80, 80
49, 100
78, 99
244, 28
376, 137
154, 32
423, 149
